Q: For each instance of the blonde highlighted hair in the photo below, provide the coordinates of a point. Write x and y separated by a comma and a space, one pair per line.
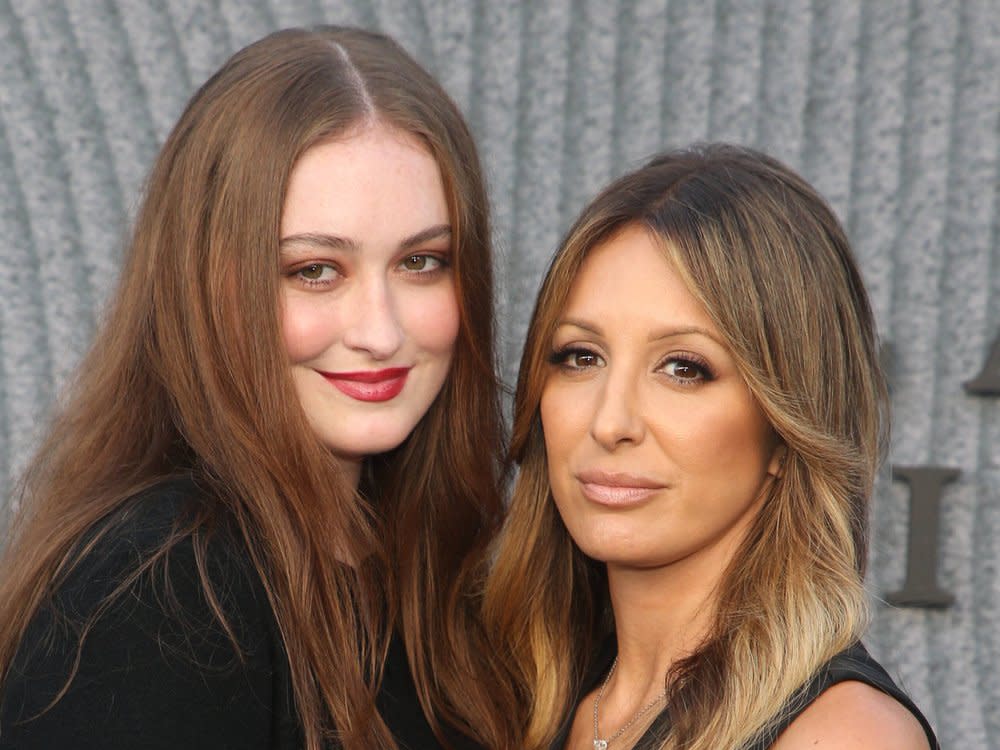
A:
770, 263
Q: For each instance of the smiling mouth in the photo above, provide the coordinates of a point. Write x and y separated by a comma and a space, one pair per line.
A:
369, 385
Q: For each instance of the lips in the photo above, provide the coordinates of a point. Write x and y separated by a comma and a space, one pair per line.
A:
369, 385
617, 489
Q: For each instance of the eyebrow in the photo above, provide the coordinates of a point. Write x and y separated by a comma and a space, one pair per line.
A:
319, 240
440, 231
336, 242
658, 335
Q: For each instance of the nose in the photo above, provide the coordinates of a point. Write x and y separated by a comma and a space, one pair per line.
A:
375, 325
618, 418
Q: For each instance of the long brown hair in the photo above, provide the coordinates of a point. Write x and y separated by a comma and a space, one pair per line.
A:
188, 375
769, 261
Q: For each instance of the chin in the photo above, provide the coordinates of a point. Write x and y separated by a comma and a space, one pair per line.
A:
626, 550
358, 440
606, 550
361, 449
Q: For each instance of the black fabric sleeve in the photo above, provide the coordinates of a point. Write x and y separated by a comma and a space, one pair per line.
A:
155, 669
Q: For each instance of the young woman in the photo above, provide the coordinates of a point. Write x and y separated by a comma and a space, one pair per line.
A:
252, 521
698, 422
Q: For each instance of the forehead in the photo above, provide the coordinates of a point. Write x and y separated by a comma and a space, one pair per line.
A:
629, 280
378, 182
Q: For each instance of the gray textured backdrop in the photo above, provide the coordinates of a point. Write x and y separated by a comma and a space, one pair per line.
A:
892, 107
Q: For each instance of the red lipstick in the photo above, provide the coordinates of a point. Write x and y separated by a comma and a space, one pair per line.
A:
617, 489
369, 385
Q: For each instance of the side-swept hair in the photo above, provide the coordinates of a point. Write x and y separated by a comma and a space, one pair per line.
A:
768, 260
188, 374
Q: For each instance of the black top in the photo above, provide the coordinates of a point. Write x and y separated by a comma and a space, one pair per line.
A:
156, 669
854, 663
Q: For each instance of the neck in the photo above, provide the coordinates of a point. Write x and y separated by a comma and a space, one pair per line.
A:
661, 616
663, 613
351, 467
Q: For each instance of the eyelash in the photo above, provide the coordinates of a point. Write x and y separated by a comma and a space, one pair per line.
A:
442, 262
562, 357
685, 359
297, 274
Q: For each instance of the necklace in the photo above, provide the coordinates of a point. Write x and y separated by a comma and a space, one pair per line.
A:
600, 744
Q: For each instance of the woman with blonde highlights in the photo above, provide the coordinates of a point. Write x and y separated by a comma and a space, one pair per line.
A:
253, 519
698, 421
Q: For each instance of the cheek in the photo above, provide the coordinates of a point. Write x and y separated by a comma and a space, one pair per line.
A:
563, 427
551, 434
307, 328
431, 319
730, 445
561, 430
749, 435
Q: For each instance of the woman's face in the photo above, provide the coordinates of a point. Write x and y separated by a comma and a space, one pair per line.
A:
657, 451
370, 314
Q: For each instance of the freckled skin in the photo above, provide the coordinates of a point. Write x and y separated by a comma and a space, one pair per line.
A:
641, 384
375, 303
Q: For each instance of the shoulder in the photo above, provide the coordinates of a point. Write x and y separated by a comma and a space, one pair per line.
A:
164, 523
157, 567
152, 627
159, 558
146, 520
852, 715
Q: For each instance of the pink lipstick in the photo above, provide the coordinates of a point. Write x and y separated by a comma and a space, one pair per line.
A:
617, 489
369, 385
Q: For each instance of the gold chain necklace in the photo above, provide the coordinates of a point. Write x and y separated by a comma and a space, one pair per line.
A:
600, 744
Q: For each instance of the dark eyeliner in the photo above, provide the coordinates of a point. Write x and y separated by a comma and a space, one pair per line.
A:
561, 356
558, 356
704, 369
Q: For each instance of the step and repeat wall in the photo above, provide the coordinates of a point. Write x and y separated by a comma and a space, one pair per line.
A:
891, 107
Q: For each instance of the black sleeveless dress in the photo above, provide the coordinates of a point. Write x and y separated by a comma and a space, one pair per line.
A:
852, 664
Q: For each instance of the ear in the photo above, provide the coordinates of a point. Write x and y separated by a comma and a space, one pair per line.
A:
776, 466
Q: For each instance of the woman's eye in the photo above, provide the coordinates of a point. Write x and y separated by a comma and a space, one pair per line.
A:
686, 370
577, 359
317, 272
421, 263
